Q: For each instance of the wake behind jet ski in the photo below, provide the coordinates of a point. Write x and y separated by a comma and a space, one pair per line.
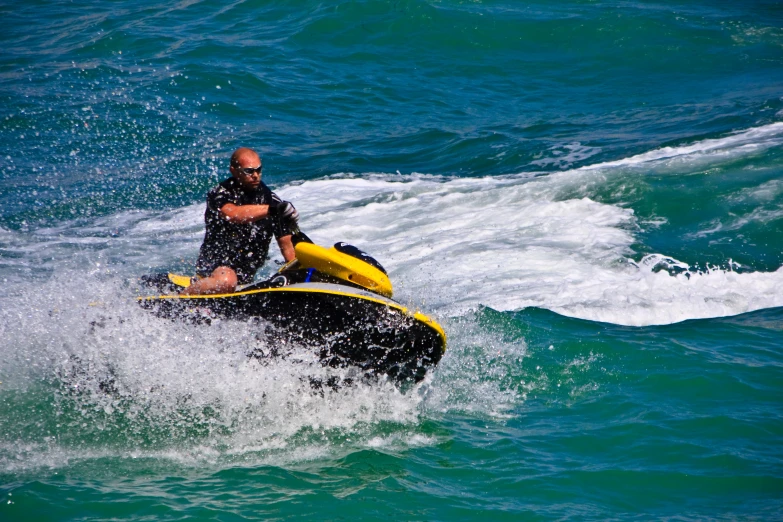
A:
336, 300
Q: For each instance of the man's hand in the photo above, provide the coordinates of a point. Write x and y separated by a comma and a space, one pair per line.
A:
285, 210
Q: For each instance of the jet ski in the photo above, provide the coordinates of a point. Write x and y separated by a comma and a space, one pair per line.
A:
336, 300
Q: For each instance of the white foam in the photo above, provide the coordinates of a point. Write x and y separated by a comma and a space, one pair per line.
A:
116, 371
764, 193
740, 143
530, 249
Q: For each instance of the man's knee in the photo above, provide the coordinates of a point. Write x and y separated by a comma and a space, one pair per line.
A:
222, 280
225, 279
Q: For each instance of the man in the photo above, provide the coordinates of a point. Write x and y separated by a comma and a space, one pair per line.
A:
242, 216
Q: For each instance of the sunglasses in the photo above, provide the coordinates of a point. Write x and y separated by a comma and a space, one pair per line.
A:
249, 171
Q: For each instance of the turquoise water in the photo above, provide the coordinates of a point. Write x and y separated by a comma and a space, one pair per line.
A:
587, 195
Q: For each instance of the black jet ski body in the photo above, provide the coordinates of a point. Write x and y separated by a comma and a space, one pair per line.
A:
339, 304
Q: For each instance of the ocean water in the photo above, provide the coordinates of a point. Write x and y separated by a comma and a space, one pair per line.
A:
587, 195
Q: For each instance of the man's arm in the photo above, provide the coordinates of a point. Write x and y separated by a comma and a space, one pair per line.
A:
251, 213
244, 213
286, 247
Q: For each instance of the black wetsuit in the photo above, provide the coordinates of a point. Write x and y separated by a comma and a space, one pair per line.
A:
243, 247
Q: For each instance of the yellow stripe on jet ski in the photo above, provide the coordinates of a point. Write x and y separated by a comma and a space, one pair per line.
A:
432, 324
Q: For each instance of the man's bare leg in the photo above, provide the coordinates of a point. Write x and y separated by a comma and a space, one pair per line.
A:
223, 280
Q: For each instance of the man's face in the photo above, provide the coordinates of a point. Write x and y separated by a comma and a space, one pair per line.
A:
248, 171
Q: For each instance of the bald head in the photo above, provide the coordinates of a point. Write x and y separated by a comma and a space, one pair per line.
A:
243, 155
246, 167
